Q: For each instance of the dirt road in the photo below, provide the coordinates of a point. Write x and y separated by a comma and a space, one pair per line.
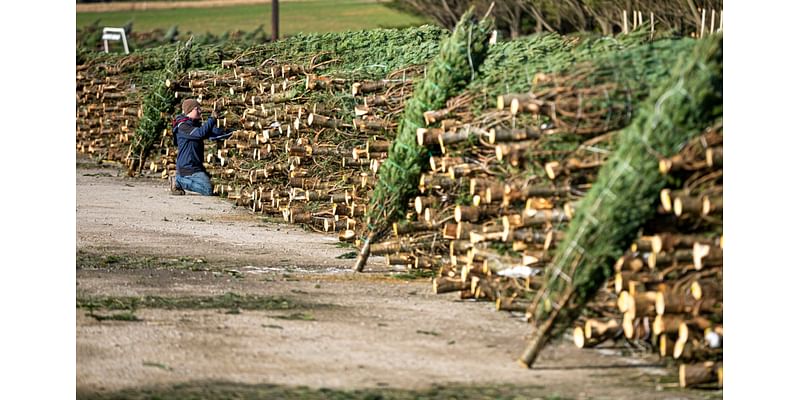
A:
187, 296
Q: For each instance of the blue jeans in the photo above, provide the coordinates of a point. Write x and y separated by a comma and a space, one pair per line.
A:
198, 182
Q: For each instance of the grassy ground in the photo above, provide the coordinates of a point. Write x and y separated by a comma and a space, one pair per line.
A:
311, 16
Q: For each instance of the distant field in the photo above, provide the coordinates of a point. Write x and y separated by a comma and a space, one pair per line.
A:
295, 17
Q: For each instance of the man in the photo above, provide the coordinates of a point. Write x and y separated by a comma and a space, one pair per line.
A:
188, 135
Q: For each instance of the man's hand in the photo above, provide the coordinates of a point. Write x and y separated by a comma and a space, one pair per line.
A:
214, 114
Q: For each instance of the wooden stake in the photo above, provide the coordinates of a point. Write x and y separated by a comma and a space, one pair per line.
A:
711, 29
702, 23
652, 25
542, 334
624, 21
363, 255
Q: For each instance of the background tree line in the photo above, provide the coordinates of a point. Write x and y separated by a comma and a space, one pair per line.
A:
521, 17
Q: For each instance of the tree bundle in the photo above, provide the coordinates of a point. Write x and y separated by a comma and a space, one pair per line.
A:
670, 279
448, 73
156, 104
620, 201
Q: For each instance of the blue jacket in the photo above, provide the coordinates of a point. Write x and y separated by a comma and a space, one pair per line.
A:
188, 136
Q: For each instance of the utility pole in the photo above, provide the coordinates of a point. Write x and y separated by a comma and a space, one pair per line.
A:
274, 20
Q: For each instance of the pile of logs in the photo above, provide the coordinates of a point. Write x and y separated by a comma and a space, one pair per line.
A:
497, 199
107, 112
305, 147
294, 152
668, 285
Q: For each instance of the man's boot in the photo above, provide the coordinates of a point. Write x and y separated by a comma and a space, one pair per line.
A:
173, 187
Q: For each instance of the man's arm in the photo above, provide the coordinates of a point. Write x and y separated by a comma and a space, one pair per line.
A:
218, 133
209, 128
189, 132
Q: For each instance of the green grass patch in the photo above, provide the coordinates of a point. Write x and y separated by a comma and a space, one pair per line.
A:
228, 301
414, 274
123, 316
273, 220
295, 17
296, 317
157, 365
348, 255
95, 260
105, 174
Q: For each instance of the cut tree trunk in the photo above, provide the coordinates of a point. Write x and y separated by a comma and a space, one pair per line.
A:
690, 375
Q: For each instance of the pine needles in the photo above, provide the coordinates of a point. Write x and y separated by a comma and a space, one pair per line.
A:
459, 57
